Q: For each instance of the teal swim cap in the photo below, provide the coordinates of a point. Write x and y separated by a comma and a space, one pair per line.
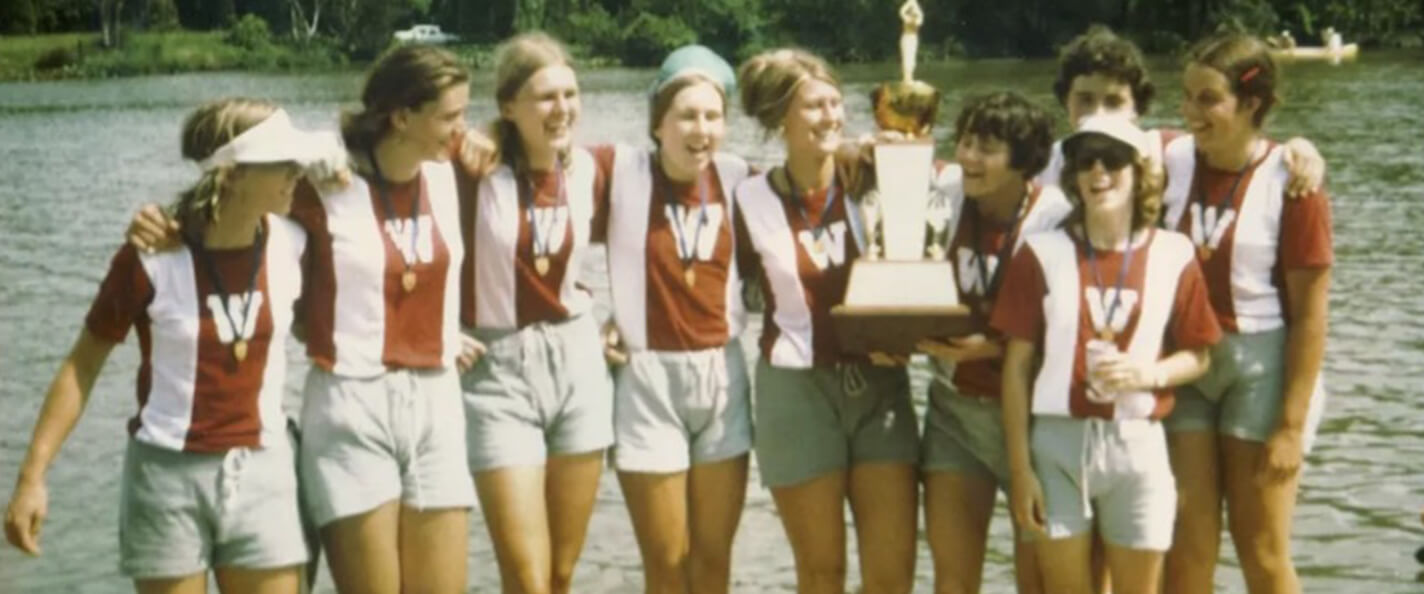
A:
698, 59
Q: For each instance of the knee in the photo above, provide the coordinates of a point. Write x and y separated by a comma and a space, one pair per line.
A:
562, 580
825, 576
711, 562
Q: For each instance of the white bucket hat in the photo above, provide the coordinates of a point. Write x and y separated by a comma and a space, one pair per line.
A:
1116, 127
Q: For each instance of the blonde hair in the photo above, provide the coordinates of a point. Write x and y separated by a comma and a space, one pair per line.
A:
207, 129
662, 100
516, 61
1147, 187
769, 81
405, 78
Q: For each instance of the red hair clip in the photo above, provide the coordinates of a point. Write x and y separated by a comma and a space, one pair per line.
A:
1250, 74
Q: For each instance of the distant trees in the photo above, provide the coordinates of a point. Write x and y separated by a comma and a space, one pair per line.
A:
640, 31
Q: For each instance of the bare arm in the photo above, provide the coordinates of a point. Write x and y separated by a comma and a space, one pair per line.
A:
1026, 495
1308, 293
67, 397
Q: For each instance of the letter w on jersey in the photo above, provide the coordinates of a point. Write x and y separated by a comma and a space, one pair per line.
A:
1100, 299
399, 231
971, 281
235, 308
832, 248
1210, 219
684, 223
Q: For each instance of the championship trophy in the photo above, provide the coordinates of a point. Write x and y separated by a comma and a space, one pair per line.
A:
900, 292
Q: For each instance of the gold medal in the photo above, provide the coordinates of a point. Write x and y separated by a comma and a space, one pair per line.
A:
1107, 335
689, 275
1203, 253
541, 265
819, 247
408, 280
936, 252
239, 350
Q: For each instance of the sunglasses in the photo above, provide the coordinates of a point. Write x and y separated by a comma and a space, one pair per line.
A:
1112, 154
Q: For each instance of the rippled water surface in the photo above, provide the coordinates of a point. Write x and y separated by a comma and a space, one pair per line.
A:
76, 158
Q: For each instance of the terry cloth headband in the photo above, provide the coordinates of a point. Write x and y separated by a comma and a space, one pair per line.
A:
695, 59
274, 140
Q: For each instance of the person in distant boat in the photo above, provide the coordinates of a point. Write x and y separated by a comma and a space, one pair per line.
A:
1102, 317
209, 481
1241, 432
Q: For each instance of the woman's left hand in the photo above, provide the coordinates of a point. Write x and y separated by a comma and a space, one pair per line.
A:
471, 351
1120, 373
961, 348
1306, 167
1282, 456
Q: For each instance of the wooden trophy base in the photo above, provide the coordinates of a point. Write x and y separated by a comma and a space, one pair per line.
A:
892, 304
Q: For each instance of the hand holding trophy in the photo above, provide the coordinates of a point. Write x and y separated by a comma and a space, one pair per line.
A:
896, 296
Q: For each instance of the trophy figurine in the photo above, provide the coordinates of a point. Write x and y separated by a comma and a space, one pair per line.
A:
900, 292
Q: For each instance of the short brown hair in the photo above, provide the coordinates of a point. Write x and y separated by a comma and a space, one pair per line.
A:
769, 81
408, 76
1100, 51
1247, 64
1018, 122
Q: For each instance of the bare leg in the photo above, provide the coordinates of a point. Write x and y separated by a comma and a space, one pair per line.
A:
657, 504
1066, 564
188, 584
958, 508
362, 551
885, 499
1190, 566
716, 495
570, 488
279, 580
813, 514
434, 547
1259, 514
1134, 571
512, 500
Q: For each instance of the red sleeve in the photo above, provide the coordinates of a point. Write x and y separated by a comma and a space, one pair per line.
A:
1168, 135
1306, 238
123, 297
602, 180
1018, 309
1193, 320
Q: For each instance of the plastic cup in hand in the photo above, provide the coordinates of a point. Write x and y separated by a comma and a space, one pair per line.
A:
1096, 353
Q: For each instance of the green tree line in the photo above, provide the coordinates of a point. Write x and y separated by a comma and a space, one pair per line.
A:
638, 32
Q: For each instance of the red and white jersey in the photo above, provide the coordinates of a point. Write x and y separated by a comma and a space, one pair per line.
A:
193, 393
1051, 175
978, 247
359, 318
801, 282
652, 223
504, 288
1051, 296
1250, 237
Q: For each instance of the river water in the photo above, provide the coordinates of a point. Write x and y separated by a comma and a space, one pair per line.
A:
77, 157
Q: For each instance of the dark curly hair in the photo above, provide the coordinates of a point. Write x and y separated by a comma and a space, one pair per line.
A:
1100, 51
1007, 116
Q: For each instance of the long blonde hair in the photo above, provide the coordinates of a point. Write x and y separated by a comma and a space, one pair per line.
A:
207, 129
515, 62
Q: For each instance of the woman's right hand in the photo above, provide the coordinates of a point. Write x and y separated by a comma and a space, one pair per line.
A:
26, 515
471, 351
152, 230
1026, 501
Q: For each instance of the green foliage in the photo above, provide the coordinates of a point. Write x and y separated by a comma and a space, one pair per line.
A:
596, 30
57, 59
250, 33
1255, 17
650, 37
18, 17
162, 16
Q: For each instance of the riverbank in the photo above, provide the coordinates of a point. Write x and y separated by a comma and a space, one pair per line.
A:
80, 55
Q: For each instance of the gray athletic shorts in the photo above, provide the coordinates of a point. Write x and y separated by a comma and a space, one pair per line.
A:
811, 422
1243, 392
964, 434
368, 441
1114, 475
672, 410
540, 391
182, 513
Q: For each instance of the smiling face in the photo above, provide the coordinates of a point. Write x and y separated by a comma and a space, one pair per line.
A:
431, 129
986, 162
545, 109
1098, 94
814, 119
1216, 117
1103, 174
691, 130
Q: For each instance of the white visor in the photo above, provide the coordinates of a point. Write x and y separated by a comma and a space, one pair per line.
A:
274, 140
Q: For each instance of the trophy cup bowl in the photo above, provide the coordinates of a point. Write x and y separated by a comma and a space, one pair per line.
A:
893, 302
